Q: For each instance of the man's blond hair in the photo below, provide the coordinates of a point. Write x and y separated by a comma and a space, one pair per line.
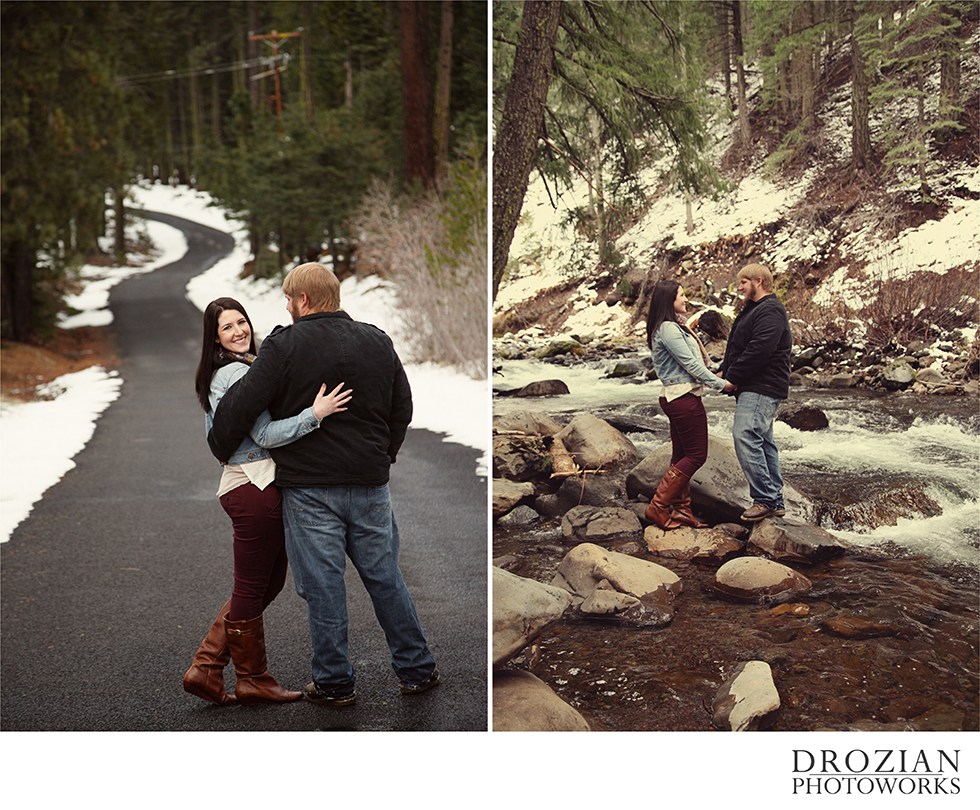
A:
760, 272
318, 282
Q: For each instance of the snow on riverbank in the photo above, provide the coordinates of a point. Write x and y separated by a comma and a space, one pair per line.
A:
39, 439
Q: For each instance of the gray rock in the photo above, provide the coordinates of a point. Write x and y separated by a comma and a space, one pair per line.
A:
702, 545
588, 566
595, 444
542, 388
522, 609
587, 490
523, 702
529, 422
791, 541
598, 524
507, 494
520, 516
748, 700
898, 375
754, 579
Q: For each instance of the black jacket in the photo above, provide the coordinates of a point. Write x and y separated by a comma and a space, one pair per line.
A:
351, 448
757, 358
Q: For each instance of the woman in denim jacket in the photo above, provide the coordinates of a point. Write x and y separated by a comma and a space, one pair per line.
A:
249, 495
680, 362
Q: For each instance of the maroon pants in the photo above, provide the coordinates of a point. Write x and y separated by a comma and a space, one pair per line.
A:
259, 547
688, 432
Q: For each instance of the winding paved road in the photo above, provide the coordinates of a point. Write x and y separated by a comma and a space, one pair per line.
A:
110, 584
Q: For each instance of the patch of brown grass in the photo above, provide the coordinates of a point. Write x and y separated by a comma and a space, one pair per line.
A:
25, 366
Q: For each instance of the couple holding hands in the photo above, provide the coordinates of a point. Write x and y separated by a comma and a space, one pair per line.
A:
756, 369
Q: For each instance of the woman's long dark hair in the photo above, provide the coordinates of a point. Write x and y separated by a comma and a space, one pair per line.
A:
662, 308
211, 360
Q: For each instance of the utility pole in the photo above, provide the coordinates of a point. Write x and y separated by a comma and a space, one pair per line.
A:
273, 40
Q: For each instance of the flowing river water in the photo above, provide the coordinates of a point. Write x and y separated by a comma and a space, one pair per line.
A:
888, 636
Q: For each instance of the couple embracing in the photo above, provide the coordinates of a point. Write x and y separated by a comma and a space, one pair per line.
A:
305, 481
756, 370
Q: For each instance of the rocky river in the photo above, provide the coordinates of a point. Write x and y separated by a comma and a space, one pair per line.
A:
885, 636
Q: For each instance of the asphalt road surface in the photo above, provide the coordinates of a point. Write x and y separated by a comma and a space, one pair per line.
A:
111, 583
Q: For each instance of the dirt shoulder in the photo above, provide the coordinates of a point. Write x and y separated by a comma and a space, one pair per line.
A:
24, 366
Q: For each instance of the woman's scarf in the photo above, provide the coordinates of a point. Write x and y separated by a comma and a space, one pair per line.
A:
225, 357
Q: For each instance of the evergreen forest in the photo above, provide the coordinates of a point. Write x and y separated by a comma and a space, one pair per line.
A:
624, 85
317, 124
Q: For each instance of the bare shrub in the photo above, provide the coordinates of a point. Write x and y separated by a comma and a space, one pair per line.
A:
917, 307
434, 247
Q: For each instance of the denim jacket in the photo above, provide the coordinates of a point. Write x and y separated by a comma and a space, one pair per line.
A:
265, 433
677, 358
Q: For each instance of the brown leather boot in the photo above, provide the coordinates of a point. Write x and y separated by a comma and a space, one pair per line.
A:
666, 495
246, 639
204, 678
682, 509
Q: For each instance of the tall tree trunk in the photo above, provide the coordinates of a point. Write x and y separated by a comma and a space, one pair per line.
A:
521, 124
16, 291
252, 49
726, 49
443, 85
744, 132
860, 104
307, 54
804, 64
119, 240
416, 92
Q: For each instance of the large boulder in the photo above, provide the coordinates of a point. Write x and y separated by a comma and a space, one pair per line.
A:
898, 375
523, 702
531, 423
711, 546
522, 609
520, 457
718, 487
597, 445
507, 494
748, 700
592, 524
754, 579
791, 541
588, 490
616, 585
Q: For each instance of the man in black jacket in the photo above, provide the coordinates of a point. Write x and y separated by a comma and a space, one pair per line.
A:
334, 480
757, 362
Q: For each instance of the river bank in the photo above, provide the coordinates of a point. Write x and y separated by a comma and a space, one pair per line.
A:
885, 639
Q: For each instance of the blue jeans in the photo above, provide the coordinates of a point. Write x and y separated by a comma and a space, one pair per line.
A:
755, 448
323, 527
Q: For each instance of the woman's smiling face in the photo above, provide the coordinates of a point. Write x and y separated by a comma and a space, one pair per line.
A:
234, 333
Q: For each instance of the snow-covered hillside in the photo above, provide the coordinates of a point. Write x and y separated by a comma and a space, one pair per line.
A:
840, 243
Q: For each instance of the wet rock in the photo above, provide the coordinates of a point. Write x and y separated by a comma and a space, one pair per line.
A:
718, 488
542, 388
687, 543
875, 503
588, 566
850, 626
753, 579
520, 458
529, 422
624, 369
803, 417
930, 377
507, 494
607, 603
560, 346
748, 700
791, 541
519, 516
595, 444
522, 608
523, 702
596, 524
587, 490
898, 375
